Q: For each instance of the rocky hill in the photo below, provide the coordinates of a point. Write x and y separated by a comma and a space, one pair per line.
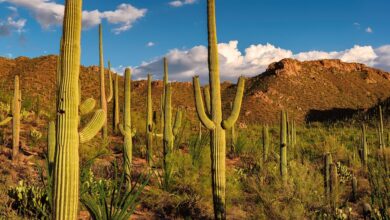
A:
307, 90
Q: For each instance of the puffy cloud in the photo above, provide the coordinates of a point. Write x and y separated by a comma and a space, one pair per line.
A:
12, 24
183, 64
49, 13
150, 44
180, 3
369, 30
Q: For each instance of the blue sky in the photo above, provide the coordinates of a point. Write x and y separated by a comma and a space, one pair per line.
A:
351, 30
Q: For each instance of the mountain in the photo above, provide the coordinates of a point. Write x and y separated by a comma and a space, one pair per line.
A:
309, 91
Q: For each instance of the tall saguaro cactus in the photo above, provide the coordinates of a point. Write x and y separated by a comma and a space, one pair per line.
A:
126, 127
283, 146
15, 117
17, 104
115, 111
66, 163
149, 123
165, 83
214, 123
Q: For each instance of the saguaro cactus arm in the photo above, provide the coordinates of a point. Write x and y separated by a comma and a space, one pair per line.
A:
228, 123
93, 126
87, 106
178, 120
209, 124
130, 133
207, 99
6, 121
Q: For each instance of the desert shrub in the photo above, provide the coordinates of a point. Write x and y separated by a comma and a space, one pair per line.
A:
30, 201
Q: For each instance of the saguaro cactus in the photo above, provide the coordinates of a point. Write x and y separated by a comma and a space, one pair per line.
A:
265, 142
165, 83
215, 124
15, 117
333, 186
115, 111
51, 143
364, 150
283, 146
66, 164
233, 137
126, 127
103, 99
327, 163
149, 122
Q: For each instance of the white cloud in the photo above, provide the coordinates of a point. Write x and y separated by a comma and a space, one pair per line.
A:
180, 3
150, 44
184, 64
369, 30
12, 24
49, 13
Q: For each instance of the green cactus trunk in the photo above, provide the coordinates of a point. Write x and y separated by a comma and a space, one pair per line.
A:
333, 187
283, 146
381, 129
232, 136
128, 143
265, 143
103, 100
214, 121
51, 143
149, 123
354, 188
66, 168
168, 138
17, 104
115, 111
165, 83
327, 163
364, 151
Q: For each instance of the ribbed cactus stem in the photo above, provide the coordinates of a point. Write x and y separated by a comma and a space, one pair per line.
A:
207, 99
17, 104
265, 142
51, 143
327, 162
111, 92
116, 104
66, 168
178, 121
149, 122
354, 188
165, 83
103, 100
232, 135
213, 121
128, 143
381, 129
87, 106
364, 150
283, 146
333, 186
93, 127
168, 134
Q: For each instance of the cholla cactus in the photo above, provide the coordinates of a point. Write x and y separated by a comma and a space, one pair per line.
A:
66, 163
214, 121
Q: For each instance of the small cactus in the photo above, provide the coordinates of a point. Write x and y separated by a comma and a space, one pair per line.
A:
283, 146
333, 186
265, 142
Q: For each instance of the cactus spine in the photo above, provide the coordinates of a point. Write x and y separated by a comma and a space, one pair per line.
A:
283, 146
116, 104
149, 122
215, 123
126, 127
66, 163
265, 142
